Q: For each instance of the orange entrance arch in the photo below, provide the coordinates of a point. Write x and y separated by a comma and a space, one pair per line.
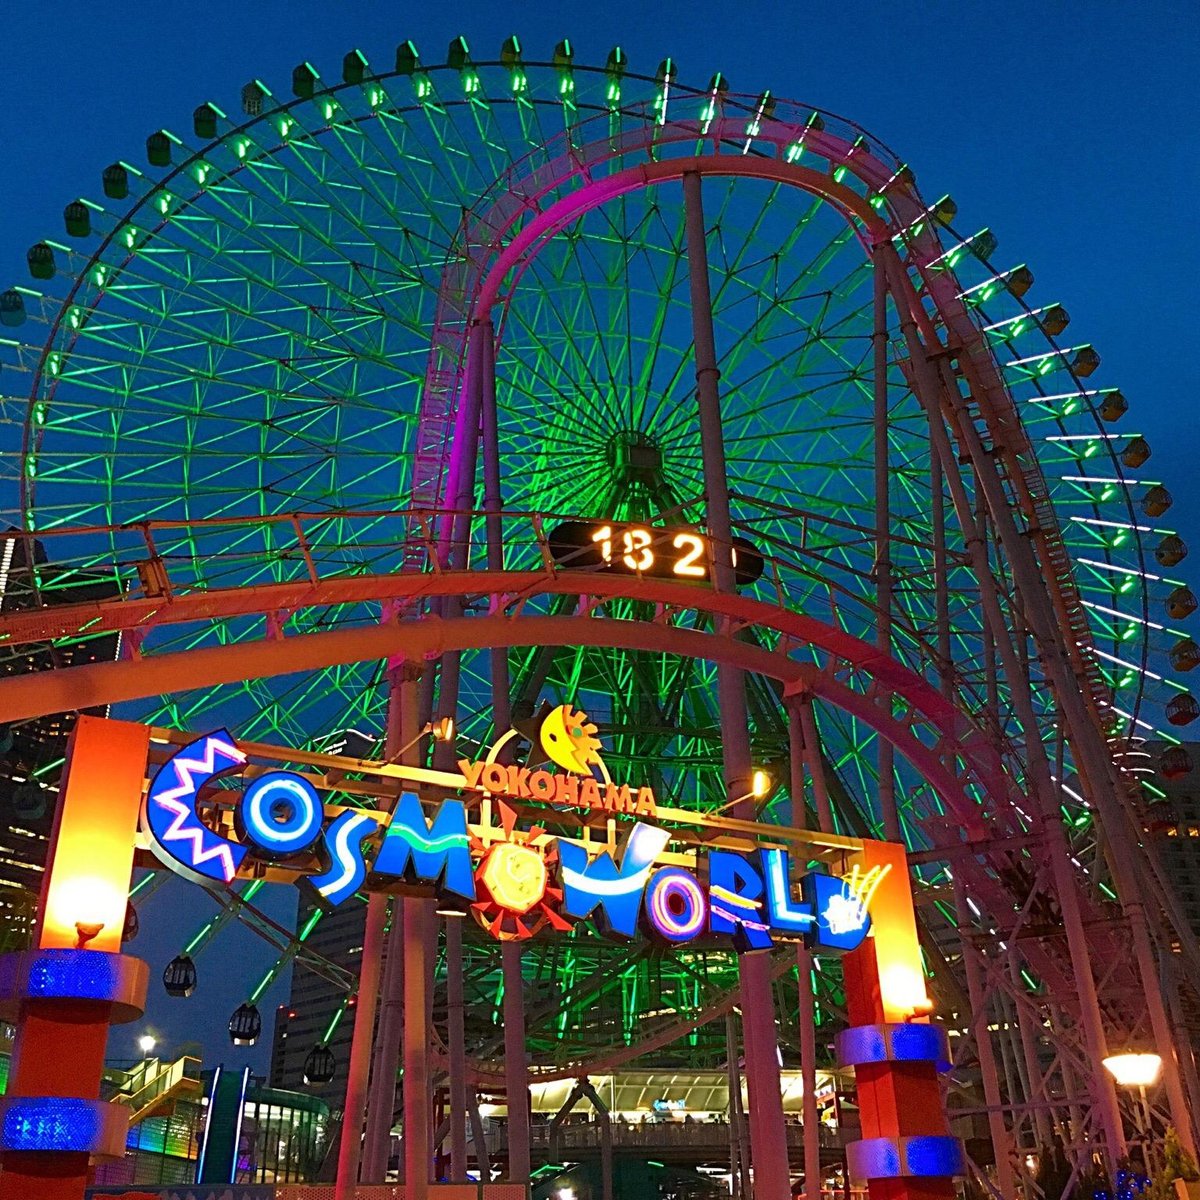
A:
67, 991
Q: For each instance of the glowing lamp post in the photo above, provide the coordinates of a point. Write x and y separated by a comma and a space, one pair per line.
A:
1136, 1070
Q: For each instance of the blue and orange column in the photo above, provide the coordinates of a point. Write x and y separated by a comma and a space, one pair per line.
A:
906, 1151
65, 993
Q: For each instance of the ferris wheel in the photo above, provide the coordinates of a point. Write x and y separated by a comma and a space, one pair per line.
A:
245, 370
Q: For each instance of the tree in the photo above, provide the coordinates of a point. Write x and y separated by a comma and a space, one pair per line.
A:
1177, 1162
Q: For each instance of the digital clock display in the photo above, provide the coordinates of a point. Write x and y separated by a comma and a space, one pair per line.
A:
677, 553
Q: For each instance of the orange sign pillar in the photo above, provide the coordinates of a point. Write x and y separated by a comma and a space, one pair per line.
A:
64, 994
906, 1151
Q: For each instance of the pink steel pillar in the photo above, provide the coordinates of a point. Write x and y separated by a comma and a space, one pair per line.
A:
385, 1054
1001, 1142
466, 459
516, 1070
403, 723
767, 1131
417, 1147
443, 759
457, 1050
883, 537
808, 1000
350, 1146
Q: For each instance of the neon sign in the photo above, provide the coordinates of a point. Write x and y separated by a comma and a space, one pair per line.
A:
177, 835
281, 814
566, 737
515, 882
515, 876
676, 907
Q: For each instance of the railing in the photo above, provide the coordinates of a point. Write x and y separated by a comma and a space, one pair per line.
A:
661, 1136
201, 1191
299, 572
103, 578
169, 1079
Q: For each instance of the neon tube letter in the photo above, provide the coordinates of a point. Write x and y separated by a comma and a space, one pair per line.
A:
735, 892
424, 852
616, 890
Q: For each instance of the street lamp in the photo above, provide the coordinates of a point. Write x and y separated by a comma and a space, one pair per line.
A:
1134, 1070
761, 784
147, 1042
442, 729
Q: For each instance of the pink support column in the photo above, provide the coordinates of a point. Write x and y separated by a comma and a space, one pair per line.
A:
462, 492
516, 1069
350, 1145
417, 1144
385, 1054
807, 998
404, 722
767, 1130
883, 537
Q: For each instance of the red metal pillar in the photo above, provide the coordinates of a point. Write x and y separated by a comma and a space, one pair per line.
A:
906, 1151
462, 492
52, 1120
1002, 1144
808, 999
417, 1144
350, 1146
403, 726
516, 1067
768, 1134
883, 536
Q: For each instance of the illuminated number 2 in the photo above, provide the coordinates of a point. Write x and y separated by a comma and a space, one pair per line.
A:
638, 555
689, 564
603, 535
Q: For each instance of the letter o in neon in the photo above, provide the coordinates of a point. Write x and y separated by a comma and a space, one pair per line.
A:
675, 905
281, 813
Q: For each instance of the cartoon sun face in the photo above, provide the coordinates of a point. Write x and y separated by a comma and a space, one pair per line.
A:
567, 737
515, 876
516, 897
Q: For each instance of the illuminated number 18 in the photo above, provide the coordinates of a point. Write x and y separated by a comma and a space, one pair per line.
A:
638, 555
603, 535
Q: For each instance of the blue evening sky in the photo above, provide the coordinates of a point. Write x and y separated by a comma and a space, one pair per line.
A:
1068, 128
